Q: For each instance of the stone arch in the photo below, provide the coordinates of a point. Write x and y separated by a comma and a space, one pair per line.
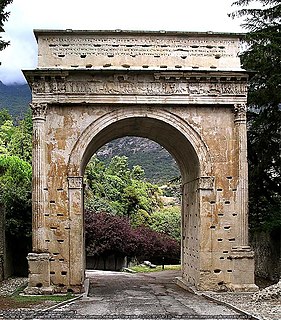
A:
193, 105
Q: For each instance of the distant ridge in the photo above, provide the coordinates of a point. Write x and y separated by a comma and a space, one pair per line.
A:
15, 98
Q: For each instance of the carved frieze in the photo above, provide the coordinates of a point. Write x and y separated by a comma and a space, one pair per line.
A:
141, 85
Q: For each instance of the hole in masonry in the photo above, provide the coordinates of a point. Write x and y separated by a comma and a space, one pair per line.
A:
225, 251
178, 66
89, 66
229, 270
231, 239
145, 66
183, 57
64, 273
229, 177
222, 258
39, 285
220, 283
59, 189
213, 227
219, 189
110, 55
217, 271
125, 65
220, 239
227, 202
70, 290
47, 240
61, 259
61, 285
234, 214
217, 56
60, 214
212, 202
163, 67
220, 214
107, 65
53, 228
52, 201
60, 240
227, 227
61, 55
82, 56
52, 272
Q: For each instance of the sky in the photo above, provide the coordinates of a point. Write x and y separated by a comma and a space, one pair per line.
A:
169, 15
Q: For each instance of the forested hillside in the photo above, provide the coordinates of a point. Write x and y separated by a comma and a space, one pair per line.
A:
15, 98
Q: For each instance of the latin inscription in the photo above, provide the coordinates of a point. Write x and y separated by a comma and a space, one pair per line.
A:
154, 47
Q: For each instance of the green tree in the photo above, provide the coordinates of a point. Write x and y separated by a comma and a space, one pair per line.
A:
263, 56
118, 190
15, 194
4, 15
167, 221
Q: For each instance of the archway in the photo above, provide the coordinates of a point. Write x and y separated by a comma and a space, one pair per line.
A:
197, 115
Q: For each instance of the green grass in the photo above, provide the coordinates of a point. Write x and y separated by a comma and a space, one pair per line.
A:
140, 268
18, 296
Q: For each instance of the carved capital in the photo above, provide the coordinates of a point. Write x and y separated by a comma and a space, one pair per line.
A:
206, 183
240, 111
75, 182
39, 110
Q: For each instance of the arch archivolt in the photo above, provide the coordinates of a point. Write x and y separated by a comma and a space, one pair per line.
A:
82, 149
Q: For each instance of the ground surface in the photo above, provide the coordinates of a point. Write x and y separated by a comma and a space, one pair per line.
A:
114, 295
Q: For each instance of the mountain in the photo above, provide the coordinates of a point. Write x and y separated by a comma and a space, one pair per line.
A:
15, 98
158, 164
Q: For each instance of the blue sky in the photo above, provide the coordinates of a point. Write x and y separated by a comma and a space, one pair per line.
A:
175, 15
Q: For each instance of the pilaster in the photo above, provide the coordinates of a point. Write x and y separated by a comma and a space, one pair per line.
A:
76, 235
39, 176
242, 188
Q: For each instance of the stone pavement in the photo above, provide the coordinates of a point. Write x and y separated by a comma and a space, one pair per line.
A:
115, 295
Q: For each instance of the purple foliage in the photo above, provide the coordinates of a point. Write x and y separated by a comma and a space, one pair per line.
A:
107, 234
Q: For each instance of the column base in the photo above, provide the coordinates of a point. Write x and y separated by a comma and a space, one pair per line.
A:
39, 274
243, 270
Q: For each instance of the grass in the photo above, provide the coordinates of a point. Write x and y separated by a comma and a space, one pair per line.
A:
19, 298
141, 268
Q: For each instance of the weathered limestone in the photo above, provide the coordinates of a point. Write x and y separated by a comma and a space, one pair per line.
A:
185, 91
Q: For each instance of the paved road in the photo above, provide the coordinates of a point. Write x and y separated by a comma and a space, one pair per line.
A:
114, 295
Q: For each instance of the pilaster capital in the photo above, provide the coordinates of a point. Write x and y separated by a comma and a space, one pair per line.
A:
75, 182
39, 110
240, 112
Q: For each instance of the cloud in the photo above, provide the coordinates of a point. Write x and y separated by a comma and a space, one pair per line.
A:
177, 15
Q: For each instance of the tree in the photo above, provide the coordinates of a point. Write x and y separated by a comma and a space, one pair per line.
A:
118, 190
4, 15
263, 56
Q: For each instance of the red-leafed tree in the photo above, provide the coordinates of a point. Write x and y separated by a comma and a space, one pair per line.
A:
113, 235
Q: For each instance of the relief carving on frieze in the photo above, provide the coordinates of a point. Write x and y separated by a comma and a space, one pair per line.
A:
140, 85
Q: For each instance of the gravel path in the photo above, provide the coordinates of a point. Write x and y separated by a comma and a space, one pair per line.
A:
266, 309
8, 287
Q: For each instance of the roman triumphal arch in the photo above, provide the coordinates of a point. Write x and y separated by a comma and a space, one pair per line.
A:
186, 91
